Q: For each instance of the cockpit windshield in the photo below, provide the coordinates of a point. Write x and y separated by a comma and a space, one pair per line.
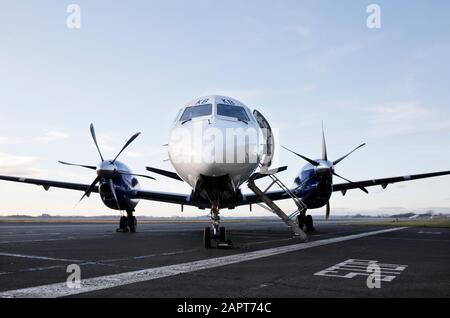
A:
196, 111
232, 111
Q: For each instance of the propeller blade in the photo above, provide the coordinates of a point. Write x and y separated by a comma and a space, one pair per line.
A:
77, 165
113, 190
324, 146
342, 158
327, 215
313, 162
134, 174
362, 188
126, 145
89, 190
95, 141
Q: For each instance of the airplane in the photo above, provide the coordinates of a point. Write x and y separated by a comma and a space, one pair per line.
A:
216, 179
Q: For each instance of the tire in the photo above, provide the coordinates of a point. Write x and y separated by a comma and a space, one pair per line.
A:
207, 237
309, 223
123, 223
301, 221
222, 234
132, 224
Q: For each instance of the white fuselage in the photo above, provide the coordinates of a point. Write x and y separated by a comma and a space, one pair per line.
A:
215, 136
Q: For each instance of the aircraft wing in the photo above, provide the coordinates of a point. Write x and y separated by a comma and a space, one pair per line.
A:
47, 184
175, 198
343, 187
140, 194
252, 198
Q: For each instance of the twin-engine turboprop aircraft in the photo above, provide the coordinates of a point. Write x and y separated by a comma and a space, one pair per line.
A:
216, 145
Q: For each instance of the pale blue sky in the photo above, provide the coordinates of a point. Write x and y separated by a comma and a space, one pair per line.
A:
133, 64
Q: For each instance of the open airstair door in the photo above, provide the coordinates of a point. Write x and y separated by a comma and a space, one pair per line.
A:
269, 147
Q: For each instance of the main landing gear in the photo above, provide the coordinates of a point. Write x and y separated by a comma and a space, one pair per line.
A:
219, 234
304, 220
127, 223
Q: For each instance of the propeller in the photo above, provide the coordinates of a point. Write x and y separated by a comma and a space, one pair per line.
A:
327, 214
313, 162
326, 166
89, 190
95, 141
106, 170
362, 188
77, 165
113, 190
126, 145
343, 157
324, 145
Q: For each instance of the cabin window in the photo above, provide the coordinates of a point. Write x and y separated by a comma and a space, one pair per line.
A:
134, 182
196, 111
232, 111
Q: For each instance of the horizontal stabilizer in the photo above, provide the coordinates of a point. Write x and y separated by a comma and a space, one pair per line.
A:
265, 173
165, 173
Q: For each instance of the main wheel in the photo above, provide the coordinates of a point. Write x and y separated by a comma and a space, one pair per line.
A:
207, 237
222, 234
132, 224
301, 221
123, 223
309, 223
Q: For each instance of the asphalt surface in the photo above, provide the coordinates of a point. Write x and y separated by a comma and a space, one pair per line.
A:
414, 262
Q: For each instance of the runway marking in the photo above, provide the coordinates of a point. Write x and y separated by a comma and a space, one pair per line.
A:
429, 232
106, 262
121, 279
270, 241
56, 239
28, 234
356, 267
41, 257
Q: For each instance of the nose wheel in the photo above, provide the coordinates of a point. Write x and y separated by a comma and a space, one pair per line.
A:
216, 232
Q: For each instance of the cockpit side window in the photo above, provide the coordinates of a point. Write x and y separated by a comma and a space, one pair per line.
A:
196, 111
232, 111
178, 114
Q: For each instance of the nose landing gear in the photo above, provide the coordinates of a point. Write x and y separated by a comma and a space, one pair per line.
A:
219, 234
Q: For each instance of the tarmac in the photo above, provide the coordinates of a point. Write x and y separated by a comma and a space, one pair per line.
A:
340, 259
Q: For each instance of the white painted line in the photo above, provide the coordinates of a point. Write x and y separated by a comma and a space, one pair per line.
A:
41, 257
22, 234
56, 239
116, 280
269, 241
429, 232
106, 262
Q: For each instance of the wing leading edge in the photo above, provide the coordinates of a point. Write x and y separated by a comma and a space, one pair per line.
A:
343, 187
185, 199
140, 194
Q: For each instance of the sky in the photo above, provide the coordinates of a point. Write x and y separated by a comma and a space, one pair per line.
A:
133, 64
